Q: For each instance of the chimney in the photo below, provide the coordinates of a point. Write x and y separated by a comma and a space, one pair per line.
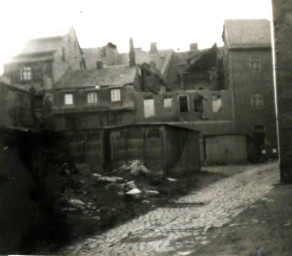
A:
132, 53
153, 48
98, 64
193, 46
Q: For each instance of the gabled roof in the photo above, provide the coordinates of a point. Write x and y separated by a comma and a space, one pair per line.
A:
247, 33
108, 76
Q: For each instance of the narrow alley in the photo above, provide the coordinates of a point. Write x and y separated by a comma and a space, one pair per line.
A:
183, 225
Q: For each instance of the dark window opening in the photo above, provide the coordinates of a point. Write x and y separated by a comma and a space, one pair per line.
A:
70, 122
198, 104
254, 63
183, 104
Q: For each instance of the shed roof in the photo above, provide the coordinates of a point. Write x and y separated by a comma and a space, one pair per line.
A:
108, 76
247, 33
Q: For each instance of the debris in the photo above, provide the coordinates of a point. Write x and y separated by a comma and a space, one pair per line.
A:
152, 192
129, 185
171, 179
134, 191
184, 253
287, 224
107, 179
136, 167
77, 203
146, 202
205, 242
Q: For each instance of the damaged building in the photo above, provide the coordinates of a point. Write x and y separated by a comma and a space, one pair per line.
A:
224, 92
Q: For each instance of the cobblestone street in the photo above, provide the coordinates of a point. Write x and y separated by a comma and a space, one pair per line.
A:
180, 227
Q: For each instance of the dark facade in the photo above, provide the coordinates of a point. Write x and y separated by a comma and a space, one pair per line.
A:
15, 107
249, 75
283, 48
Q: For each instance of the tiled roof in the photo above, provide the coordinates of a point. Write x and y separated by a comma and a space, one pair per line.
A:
247, 33
108, 76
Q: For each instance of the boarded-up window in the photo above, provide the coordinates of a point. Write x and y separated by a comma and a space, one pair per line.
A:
116, 95
149, 109
92, 97
216, 103
183, 104
167, 102
68, 99
257, 101
198, 103
254, 63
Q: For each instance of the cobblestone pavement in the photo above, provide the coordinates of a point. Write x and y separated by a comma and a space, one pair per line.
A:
168, 230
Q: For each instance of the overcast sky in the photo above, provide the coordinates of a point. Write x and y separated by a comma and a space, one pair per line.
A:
171, 23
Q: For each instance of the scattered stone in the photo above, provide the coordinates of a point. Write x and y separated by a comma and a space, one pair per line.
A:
136, 167
287, 224
134, 191
171, 179
184, 253
152, 192
77, 203
205, 242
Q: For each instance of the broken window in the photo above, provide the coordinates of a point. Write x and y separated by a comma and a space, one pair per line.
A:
116, 95
257, 101
149, 109
68, 99
216, 103
198, 103
183, 104
26, 73
254, 63
167, 102
92, 97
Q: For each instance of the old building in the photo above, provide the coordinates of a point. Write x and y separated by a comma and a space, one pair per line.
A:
248, 72
107, 54
95, 98
283, 48
165, 62
43, 61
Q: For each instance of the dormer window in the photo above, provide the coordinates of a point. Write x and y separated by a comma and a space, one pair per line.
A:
115, 95
26, 73
68, 99
92, 97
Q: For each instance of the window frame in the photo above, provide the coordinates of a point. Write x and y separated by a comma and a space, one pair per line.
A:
26, 73
171, 103
261, 101
72, 98
187, 101
95, 97
255, 63
114, 97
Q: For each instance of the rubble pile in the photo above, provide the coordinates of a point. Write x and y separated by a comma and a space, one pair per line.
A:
104, 198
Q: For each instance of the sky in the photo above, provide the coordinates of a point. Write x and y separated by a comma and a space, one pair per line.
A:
170, 23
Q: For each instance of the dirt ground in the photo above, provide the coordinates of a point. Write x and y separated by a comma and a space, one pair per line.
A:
265, 228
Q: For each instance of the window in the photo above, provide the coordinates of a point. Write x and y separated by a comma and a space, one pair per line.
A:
68, 99
183, 104
254, 63
216, 103
198, 103
149, 109
37, 72
26, 73
92, 97
167, 102
257, 101
116, 95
